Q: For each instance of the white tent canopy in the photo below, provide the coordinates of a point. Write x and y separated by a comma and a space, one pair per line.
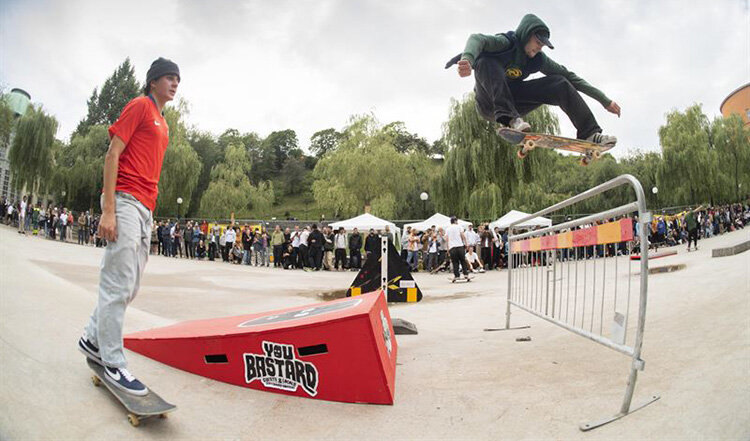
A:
514, 215
438, 220
364, 222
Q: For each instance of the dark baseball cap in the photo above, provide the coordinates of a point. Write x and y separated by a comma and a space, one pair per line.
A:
543, 36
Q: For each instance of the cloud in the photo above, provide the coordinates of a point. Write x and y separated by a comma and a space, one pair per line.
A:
263, 66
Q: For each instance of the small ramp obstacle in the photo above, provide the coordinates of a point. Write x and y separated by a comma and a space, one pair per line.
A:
385, 270
343, 350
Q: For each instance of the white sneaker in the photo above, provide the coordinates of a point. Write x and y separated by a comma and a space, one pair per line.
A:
598, 138
520, 125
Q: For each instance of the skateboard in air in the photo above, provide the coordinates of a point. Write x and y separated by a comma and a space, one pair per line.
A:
528, 141
139, 408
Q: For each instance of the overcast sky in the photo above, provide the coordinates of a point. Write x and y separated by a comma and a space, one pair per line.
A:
309, 65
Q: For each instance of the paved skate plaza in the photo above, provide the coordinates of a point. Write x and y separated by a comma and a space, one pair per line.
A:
454, 380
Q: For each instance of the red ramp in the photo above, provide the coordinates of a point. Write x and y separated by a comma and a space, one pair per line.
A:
344, 350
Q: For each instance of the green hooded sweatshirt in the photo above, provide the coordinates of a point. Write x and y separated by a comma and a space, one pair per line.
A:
530, 24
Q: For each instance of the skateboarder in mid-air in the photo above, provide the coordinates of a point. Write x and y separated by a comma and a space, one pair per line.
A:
132, 167
501, 63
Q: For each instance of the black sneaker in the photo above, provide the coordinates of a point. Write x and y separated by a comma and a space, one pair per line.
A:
89, 350
122, 379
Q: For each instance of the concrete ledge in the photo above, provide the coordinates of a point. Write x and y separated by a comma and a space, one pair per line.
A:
731, 251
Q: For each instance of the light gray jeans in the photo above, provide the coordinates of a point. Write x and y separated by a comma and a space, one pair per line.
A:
120, 277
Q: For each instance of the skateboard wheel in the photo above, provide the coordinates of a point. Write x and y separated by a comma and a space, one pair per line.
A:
521, 153
597, 154
133, 419
163, 416
585, 161
529, 145
95, 380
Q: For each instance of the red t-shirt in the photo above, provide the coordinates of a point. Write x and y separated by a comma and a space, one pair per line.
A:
146, 135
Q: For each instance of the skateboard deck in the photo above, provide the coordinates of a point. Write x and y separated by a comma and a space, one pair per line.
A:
460, 279
139, 408
528, 141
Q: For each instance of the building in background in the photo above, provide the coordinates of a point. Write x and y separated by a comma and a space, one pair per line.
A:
19, 101
738, 102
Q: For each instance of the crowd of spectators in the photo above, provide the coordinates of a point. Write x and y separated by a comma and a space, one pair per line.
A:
315, 248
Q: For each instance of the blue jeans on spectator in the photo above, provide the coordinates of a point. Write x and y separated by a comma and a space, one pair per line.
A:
411, 259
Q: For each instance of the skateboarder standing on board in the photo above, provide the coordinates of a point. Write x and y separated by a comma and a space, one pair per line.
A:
457, 248
501, 63
132, 167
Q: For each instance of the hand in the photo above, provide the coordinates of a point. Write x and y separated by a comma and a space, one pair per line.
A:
108, 227
614, 108
464, 68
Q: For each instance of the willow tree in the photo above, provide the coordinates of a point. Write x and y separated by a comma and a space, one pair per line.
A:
230, 190
181, 168
481, 171
688, 166
79, 168
731, 138
31, 151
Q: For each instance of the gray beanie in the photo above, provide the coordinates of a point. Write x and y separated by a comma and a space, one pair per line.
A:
161, 67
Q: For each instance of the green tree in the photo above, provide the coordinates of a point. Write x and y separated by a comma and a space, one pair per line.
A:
182, 166
366, 170
324, 141
209, 154
481, 172
106, 104
7, 121
645, 166
231, 191
404, 141
79, 168
731, 139
31, 152
688, 160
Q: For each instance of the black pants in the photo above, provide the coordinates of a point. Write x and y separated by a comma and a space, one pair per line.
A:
458, 256
486, 256
340, 256
316, 257
693, 237
277, 255
295, 257
500, 100
303, 256
355, 258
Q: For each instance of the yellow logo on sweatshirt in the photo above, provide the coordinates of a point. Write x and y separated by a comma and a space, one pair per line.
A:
513, 72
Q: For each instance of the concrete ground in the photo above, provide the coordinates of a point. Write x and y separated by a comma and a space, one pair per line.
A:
454, 380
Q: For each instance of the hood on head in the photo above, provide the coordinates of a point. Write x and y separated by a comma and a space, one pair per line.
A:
530, 24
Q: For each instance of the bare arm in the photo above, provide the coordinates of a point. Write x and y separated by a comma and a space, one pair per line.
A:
108, 223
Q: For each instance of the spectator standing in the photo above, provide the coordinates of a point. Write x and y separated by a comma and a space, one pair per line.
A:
372, 243
229, 239
304, 249
328, 248
315, 243
404, 244
413, 249
247, 244
355, 250
295, 240
340, 249
22, 216
277, 242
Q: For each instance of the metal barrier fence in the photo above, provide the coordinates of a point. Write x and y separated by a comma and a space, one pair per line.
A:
570, 275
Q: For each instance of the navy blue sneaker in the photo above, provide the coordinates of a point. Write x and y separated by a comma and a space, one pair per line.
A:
122, 379
89, 350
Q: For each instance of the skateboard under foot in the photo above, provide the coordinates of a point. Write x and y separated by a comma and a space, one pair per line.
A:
139, 408
528, 141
